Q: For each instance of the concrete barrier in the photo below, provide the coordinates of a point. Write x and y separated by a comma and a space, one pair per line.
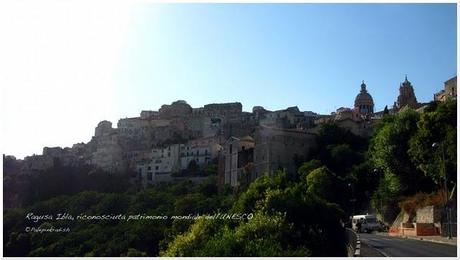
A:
353, 243
414, 229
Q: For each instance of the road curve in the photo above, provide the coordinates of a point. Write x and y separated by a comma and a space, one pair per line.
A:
396, 247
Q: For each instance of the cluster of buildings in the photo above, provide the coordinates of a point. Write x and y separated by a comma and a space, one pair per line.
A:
176, 140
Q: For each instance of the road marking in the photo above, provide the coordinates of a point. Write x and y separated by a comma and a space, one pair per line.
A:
378, 250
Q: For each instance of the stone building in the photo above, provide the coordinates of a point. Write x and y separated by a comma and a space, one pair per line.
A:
277, 149
364, 103
290, 117
179, 108
309, 118
347, 113
204, 126
203, 151
349, 119
148, 114
102, 128
166, 160
226, 110
135, 156
108, 155
259, 111
64, 156
238, 154
361, 128
146, 174
79, 149
163, 162
135, 127
406, 96
449, 91
36, 163
159, 165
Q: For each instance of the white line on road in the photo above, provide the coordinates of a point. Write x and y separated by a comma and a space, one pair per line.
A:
378, 250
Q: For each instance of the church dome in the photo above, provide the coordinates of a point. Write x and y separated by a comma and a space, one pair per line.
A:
364, 101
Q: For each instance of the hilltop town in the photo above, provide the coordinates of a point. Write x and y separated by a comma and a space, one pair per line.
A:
285, 175
179, 141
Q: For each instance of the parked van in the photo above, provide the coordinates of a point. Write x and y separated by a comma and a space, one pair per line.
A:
365, 223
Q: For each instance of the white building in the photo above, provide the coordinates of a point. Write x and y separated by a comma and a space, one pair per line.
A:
202, 151
176, 157
159, 167
166, 160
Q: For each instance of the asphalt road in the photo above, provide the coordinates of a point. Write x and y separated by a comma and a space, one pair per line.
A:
395, 246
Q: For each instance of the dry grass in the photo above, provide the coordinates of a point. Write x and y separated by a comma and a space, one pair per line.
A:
420, 200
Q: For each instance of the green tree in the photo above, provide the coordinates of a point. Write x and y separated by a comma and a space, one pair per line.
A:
187, 244
342, 157
385, 199
437, 125
321, 182
388, 151
307, 167
132, 252
288, 221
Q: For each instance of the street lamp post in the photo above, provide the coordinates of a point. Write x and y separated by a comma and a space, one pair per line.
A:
446, 192
352, 200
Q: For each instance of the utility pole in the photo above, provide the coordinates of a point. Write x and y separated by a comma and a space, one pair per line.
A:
446, 191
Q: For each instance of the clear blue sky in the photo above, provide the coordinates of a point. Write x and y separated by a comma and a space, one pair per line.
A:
67, 65
278, 55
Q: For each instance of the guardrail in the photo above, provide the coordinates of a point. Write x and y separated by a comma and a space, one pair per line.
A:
353, 243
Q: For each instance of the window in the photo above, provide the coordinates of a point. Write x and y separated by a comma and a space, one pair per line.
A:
198, 153
149, 168
156, 167
206, 152
150, 176
231, 146
169, 154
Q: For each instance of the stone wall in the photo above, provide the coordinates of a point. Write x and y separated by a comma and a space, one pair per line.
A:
103, 127
108, 155
232, 153
36, 163
428, 214
281, 149
178, 108
223, 109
